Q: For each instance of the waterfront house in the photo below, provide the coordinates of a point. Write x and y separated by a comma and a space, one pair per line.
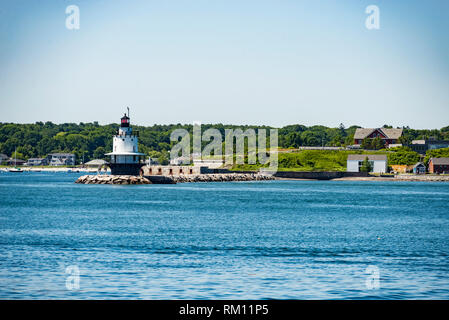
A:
61, 159
3, 158
379, 162
419, 168
15, 162
439, 165
389, 136
37, 162
421, 146
96, 163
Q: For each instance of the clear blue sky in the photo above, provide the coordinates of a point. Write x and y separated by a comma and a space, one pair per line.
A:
239, 62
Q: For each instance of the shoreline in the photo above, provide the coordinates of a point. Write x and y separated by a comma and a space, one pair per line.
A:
249, 176
56, 169
414, 178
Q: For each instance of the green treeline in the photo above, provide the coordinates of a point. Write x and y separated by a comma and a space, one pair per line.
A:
93, 140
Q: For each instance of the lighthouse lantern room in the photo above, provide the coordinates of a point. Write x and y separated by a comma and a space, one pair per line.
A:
125, 156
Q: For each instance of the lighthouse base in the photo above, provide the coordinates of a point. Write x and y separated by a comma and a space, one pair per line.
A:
132, 169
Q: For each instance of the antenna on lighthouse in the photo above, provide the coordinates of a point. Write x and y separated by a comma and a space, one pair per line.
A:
128, 111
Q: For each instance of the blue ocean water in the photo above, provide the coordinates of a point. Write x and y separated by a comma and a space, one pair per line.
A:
242, 240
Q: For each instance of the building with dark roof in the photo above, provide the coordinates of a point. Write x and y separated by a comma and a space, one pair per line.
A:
15, 162
419, 168
37, 162
61, 159
421, 146
439, 165
389, 136
3, 158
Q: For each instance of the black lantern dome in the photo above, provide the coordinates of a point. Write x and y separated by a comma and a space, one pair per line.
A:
124, 123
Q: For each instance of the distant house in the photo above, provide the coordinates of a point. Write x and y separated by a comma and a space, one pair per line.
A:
15, 162
150, 161
379, 162
210, 163
96, 163
419, 168
389, 136
179, 161
439, 165
61, 159
37, 162
3, 158
421, 146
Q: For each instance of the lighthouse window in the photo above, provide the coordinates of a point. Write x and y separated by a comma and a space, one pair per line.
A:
123, 139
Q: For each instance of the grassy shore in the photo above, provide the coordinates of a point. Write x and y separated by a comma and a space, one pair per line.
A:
309, 160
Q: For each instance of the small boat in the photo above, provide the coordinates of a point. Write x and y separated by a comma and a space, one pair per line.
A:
15, 169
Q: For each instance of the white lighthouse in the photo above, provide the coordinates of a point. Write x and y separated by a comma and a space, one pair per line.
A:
125, 156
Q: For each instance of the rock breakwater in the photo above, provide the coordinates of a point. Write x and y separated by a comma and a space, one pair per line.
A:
424, 177
223, 177
112, 179
122, 179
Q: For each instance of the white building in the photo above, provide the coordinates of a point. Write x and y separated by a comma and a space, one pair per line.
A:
379, 162
210, 163
125, 156
179, 161
37, 162
61, 159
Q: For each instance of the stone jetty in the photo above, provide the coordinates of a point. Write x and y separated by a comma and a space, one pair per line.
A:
126, 179
112, 179
222, 177
423, 177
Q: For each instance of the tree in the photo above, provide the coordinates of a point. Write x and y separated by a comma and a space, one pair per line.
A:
436, 153
366, 166
17, 155
163, 158
342, 130
292, 139
403, 156
99, 153
373, 144
366, 144
377, 143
